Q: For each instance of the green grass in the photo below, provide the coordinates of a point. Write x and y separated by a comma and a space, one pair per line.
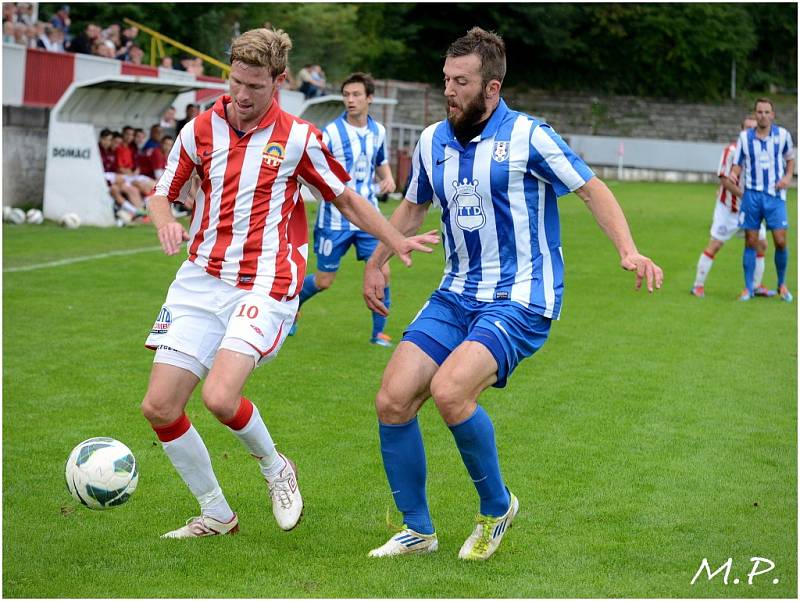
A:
648, 433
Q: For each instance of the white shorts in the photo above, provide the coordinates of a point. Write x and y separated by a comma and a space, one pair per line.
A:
203, 314
726, 225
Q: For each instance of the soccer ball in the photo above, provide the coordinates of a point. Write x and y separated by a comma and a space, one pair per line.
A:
34, 216
71, 221
13, 215
101, 473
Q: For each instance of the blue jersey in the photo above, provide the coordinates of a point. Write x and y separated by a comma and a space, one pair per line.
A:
360, 151
763, 162
500, 225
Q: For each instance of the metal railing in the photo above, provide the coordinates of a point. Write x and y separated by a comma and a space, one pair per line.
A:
157, 48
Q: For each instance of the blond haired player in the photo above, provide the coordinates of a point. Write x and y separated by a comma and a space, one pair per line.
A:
235, 297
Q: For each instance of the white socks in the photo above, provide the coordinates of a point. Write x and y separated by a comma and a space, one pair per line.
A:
704, 265
256, 439
191, 460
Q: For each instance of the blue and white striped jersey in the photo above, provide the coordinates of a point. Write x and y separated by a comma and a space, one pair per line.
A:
763, 162
500, 225
360, 151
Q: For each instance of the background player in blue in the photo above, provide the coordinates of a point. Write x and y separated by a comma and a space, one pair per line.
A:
764, 156
496, 175
359, 143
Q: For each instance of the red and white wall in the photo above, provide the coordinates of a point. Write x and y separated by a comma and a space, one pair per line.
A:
37, 78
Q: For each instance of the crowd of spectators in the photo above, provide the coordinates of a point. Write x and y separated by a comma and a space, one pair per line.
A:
134, 160
22, 25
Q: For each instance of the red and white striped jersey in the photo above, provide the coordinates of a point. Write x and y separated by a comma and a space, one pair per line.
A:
725, 165
248, 224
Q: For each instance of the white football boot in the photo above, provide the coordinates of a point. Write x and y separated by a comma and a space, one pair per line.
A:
287, 502
488, 533
405, 542
204, 525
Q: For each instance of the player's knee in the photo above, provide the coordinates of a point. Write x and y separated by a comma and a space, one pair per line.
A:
391, 407
219, 400
158, 410
449, 397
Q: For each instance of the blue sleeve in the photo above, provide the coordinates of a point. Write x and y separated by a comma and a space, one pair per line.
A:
551, 160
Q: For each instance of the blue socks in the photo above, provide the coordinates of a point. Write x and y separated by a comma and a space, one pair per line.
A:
309, 288
781, 258
378, 320
404, 461
475, 440
749, 264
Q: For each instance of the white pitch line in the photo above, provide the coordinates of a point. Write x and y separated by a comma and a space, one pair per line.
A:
113, 253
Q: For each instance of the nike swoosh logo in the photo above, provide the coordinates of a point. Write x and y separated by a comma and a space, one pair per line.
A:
440, 161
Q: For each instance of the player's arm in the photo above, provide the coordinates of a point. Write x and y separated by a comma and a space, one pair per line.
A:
407, 219
385, 179
609, 216
360, 212
786, 180
170, 232
177, 171
730, 185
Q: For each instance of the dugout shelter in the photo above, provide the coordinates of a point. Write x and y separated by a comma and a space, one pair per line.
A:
74, 181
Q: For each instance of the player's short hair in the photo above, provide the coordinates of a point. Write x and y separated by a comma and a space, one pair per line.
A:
364, 78
106, 132
750, 117
263, 48
488, 46
764, 100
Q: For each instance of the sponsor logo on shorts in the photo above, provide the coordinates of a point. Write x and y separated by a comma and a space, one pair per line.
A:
501, 295
163, 322
258, 330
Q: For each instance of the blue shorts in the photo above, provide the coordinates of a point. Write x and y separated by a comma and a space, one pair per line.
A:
510, 331
331, 245
760, 205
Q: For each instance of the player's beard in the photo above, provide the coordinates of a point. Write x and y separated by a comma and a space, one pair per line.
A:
470, 115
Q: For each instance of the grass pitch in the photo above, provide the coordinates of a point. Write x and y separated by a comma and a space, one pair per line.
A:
648, 434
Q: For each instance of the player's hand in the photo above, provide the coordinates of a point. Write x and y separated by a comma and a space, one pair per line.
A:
645, 270
386, 185
374, 284
418, 242
171, 235
784, 182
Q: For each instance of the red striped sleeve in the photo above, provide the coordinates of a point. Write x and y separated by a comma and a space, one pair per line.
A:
319, 170
177, 171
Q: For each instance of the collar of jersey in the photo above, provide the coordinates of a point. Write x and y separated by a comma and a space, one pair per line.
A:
370, 122
489, 131
269, 118
773, 131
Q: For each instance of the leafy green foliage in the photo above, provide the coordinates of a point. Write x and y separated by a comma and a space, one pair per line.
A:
672, 50
647, 434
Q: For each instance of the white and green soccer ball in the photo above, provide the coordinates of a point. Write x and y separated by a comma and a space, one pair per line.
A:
101, 473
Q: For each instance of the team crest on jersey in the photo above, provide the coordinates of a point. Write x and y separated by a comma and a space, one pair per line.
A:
500, 152
469, 206
163, 322
273, 154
